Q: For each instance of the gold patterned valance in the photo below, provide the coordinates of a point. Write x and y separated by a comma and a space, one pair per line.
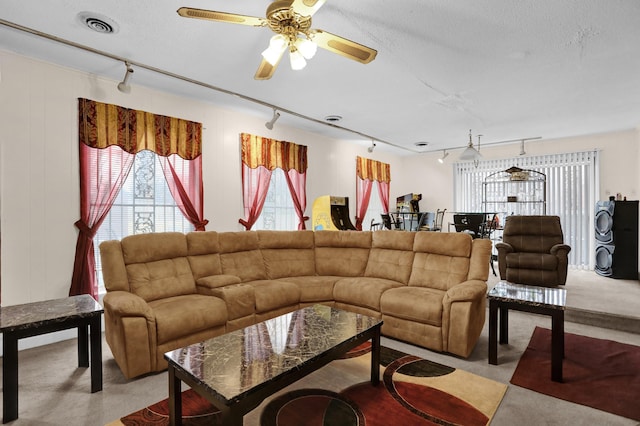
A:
272, 154
373, 170
102, 125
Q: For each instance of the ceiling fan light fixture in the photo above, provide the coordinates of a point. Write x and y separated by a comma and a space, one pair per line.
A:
470, 153
277, 46
306, 47
297, 60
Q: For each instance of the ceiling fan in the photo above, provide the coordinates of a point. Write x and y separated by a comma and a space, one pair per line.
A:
291, 21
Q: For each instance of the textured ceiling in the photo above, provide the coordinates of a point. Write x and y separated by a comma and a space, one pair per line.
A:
506, 69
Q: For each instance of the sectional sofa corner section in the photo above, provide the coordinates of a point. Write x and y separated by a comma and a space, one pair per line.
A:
168, 290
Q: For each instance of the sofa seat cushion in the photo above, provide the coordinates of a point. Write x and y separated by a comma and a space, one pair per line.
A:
315, 288
181, 316
360, 291
417, 304
274, 294
547, 262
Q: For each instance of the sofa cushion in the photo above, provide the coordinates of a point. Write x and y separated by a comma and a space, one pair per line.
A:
343, 253
418, 304
274, 294
241, 256
441, 260
215, 281
161, 279
204, 253
537, 261
365, 292
143, 248
391, 256
314, 288
180, 316
287, 253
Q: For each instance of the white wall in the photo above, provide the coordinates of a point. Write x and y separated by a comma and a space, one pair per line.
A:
619, 170
39, 177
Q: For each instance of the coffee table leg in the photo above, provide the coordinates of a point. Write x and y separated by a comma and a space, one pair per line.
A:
493, 331
83, 344
557, 345
504, 325
375, 357
9, 378
175, 398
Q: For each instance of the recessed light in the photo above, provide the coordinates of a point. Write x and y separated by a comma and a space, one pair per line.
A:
332, 118
98, 23
421, 144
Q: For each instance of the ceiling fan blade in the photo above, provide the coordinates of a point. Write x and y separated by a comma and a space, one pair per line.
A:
307, 7
211, 15
265, 69
342, 46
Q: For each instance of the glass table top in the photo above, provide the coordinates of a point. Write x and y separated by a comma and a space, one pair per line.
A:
528, 294
234, 363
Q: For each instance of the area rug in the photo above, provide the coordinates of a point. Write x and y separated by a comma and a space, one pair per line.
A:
413, 391
598, 373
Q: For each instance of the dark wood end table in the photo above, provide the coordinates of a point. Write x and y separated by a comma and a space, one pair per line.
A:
538, 300
33, 319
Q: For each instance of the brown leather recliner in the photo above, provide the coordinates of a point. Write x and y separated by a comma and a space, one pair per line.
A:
532, 251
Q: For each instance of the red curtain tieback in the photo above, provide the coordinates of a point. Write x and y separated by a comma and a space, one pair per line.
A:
84, 229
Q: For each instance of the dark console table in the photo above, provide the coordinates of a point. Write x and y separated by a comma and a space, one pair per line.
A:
33, 319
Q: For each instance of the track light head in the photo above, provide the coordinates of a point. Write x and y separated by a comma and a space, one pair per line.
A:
444, 155
123, 86
269, 124
372, 147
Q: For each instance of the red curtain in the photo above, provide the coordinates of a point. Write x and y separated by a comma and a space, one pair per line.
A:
110, 136
363, 195
184, 178
297, 183
102, 173
260, 156
255, 185
383, 192
367, 172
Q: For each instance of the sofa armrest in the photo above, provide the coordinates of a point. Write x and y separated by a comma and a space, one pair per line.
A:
467, 291
503, 249
125, 304
205, 285
560, 250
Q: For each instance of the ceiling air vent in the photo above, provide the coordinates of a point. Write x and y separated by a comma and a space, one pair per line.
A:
98, 23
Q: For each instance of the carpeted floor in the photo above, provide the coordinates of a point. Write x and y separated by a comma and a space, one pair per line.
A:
414, 391
598, 373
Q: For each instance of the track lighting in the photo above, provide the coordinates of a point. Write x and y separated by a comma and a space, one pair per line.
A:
444, 155
269, 124
372, 147
123, 86
522, 152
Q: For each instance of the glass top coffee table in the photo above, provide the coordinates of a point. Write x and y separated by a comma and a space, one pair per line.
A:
238, 370
538, 300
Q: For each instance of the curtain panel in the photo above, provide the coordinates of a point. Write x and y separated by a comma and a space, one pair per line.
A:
260, 156
368, 171
109, 138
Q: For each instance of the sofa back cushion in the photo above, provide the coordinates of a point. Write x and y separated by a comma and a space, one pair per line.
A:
441, 259
287, 253
533, 234
204, 254
240, 255
157, 265
342, 253
391, 256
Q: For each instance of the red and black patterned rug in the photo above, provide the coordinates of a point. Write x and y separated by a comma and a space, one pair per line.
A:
413, 391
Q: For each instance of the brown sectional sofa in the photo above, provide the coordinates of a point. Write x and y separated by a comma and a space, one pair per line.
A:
168, 290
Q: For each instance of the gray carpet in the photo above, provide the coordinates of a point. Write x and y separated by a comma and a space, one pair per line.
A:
53, 391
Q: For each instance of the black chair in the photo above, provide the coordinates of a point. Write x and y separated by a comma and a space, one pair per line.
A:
471, 223
374, 226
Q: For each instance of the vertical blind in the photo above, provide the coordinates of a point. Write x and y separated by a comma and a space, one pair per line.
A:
572, 191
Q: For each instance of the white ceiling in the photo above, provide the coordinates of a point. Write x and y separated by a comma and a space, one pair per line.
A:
506, 69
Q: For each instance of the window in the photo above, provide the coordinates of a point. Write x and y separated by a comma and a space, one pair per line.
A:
278, 212
374, 210
572, 186
143, 205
